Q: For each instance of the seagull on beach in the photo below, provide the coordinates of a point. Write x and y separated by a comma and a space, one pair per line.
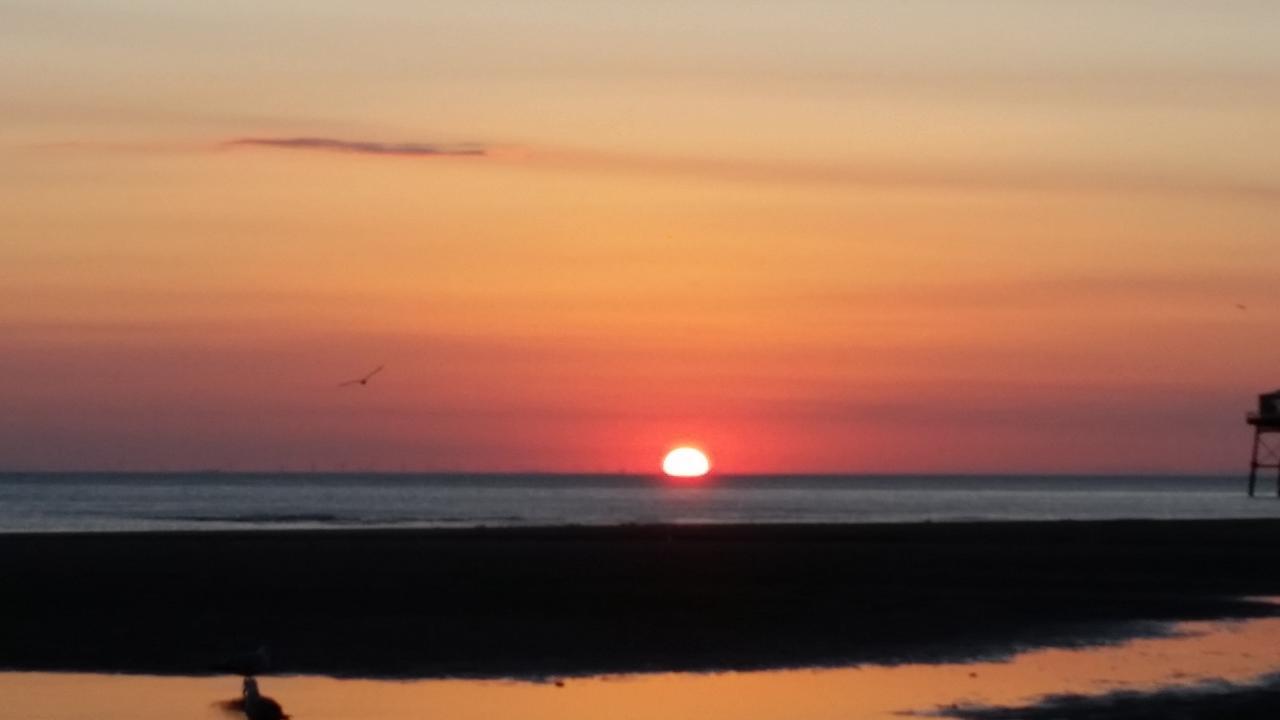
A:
364, 380
255, 705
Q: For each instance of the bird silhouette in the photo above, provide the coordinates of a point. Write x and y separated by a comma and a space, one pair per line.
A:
254, 705
363, 380
1241, 306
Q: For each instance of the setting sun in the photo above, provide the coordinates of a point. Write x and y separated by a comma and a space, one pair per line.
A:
686, 462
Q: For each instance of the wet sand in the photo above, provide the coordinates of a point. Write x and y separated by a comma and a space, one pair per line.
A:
1161, 677
1209, 701
560, 601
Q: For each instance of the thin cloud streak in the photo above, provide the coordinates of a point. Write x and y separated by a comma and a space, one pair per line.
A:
1210, 292
365, 147
847, 173
913, 176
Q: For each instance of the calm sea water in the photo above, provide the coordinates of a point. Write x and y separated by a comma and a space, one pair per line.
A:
36, 502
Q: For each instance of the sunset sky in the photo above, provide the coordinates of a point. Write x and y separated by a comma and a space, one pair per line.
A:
820, 235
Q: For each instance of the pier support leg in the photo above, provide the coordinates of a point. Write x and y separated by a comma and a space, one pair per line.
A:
1253, 462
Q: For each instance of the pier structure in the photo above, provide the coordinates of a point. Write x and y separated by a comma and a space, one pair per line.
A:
1266, 439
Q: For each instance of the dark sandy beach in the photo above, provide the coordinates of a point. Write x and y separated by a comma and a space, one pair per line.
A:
552, 601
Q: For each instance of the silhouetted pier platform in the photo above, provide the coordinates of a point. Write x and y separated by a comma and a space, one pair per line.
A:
1263, 421
1266, 439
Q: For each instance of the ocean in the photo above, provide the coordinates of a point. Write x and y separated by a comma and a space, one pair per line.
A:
127, 502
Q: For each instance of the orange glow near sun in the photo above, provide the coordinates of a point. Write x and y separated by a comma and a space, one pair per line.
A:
686, 462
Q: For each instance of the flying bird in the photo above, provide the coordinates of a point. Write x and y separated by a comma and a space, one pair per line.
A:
255, 705
364, 380
1241, 306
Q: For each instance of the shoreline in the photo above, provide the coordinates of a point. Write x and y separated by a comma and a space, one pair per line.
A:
566, 600
786, 530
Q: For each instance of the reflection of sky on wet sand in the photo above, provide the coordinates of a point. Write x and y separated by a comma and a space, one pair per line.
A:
1232, 651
